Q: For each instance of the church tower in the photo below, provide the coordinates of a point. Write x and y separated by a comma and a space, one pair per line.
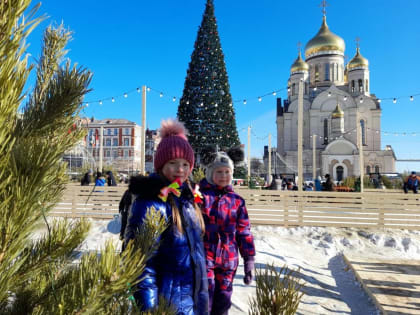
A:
358, 74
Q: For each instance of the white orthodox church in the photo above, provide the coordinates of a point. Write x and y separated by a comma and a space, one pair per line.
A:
337, 97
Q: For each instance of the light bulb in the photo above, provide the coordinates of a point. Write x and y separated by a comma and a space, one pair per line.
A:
394, 100
113, 100
379, 100
148, 89
314, 88
329, 94
188, 102
288, 89
274, 93
259, 98
244, 102
87, 104
174, 99
161, 94
100, 102
138, 90
125, 95
345, 98
361, 100
411, 98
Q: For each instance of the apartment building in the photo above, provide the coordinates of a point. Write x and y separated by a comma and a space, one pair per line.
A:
121, 143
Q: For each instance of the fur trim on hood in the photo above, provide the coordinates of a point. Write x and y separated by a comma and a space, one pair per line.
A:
147, 187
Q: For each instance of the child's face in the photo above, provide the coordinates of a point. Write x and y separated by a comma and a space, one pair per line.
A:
222, 176
177, 168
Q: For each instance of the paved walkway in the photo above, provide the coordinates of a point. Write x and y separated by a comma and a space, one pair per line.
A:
394, 285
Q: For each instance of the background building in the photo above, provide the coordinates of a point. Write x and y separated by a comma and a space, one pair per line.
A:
337, 98
121, 143
151, 145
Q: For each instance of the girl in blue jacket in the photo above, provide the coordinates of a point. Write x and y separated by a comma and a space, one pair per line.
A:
177, 271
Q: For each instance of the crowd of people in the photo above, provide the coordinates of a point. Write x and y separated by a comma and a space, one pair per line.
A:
284, 183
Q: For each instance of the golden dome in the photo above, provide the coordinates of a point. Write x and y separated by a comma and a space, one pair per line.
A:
299, 65
324, 41
358, 61
338, 112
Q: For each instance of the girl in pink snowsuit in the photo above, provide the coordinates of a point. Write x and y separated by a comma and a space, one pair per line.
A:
227, 230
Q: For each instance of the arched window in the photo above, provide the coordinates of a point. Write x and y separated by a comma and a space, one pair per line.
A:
367, 86
293, 89
325, 131
376, 168
327, 72
368, 169
316, 73
361, 85
352, 86
363, 129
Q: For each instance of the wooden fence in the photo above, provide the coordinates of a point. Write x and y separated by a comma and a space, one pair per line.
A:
284, 208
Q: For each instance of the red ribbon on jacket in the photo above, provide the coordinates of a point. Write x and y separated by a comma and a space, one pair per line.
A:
198, 197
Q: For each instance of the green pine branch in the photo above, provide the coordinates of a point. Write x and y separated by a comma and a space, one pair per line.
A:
43, 276
278, 292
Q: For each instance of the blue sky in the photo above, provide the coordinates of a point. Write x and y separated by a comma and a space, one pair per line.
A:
128, 44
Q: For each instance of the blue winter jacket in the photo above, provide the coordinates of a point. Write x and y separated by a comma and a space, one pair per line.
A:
177, 271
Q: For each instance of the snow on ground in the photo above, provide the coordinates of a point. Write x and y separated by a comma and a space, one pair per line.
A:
330, 287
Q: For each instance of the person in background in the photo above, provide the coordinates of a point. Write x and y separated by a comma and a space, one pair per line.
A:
317, 182
110, 179
123, 209
228, 229
412, 183
177, 271
329, 184
100, 180
87, 178
273, 184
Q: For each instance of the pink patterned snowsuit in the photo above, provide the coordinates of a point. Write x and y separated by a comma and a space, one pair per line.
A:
227, 230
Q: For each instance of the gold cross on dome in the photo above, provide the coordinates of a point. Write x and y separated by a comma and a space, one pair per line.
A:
299, 46
324, 6
357, 40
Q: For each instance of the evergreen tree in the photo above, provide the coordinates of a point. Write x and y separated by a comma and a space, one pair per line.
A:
206, 105
38, 276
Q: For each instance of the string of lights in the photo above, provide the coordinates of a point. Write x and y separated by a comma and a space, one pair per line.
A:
112, 99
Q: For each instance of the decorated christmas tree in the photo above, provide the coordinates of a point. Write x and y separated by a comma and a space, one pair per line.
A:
206, 105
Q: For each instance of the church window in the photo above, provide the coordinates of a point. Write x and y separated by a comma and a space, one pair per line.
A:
367, 85
363, 130
306, 88
327, 72
368, 169
339, 173
361, 85
293, 89
352, 86
316, 73
325, 131
377, 169
336, 71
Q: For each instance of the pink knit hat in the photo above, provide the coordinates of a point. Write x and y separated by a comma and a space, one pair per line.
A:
173, 144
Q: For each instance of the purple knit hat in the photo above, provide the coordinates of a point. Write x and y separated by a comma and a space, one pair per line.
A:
173, 144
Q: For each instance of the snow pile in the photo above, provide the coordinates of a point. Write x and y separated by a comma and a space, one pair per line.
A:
331, 287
